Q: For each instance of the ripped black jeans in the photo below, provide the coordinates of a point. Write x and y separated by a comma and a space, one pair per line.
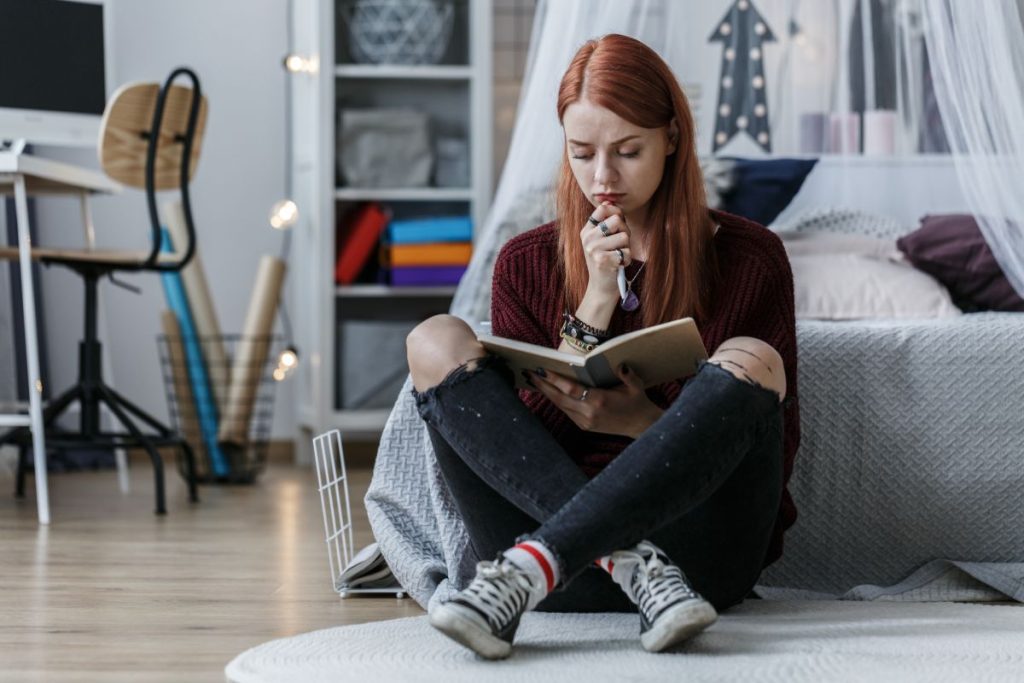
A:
703, 483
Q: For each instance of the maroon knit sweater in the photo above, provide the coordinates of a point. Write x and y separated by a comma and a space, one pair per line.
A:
754, 298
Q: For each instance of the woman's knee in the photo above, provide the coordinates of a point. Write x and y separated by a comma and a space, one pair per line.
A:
437, 346
752, 360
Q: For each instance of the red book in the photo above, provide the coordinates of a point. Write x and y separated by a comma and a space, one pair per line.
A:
356, 238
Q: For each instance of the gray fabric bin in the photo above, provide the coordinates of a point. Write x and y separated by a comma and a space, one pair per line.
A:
384, 148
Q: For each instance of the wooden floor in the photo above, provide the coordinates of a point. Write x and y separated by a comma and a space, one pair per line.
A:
112, 592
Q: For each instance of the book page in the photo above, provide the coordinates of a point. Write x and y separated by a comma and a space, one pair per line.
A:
524, 356
657, 354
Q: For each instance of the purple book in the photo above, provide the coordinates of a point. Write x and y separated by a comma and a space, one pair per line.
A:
427, 275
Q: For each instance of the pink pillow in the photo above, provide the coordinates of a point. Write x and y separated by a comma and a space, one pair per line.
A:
952, 249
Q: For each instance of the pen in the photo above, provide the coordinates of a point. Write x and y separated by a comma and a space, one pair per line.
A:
622, 282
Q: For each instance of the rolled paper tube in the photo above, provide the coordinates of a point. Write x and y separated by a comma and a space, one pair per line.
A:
201, 304
880, 132
844, 132
813, 132
251, 352
188, 421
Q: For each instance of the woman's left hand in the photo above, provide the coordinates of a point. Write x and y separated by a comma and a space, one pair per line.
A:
624, 409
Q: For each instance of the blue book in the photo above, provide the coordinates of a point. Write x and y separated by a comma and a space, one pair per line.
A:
442, 229
206, 406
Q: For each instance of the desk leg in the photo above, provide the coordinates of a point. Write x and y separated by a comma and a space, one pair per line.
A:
28, 301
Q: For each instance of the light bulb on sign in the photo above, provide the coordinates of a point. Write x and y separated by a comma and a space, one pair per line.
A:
283, 214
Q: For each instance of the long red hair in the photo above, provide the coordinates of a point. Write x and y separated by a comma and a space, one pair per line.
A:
627, 77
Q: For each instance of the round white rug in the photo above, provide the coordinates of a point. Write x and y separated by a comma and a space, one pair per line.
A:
759, 640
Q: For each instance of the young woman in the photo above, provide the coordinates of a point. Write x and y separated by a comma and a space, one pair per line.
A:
574, 490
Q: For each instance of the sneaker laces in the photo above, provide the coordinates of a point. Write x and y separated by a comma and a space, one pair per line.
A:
500, 591
657, 585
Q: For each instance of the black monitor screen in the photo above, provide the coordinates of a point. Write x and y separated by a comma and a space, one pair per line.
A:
51, 56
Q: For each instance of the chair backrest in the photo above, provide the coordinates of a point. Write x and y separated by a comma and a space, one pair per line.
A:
132, 154
125, 130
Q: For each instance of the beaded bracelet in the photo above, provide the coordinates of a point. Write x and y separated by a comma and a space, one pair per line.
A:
602, 335
577, 343
571, 330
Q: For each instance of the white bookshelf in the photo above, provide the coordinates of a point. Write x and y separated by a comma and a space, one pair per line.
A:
457, 95
451, 73
362, 291
412, 194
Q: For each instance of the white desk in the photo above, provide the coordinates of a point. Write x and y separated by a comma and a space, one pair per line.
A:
26, 175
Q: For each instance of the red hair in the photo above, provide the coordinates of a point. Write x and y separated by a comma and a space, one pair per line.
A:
627, 77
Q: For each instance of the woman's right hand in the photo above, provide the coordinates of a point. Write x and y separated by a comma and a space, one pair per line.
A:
600, 250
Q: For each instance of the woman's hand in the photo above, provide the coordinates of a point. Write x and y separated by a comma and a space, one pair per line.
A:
624, 410
600, 250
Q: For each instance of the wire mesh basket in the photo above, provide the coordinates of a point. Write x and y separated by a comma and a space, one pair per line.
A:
332, 482
220, 395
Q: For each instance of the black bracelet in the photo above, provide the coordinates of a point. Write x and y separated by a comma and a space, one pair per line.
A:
601, 335
570, 330
577, 343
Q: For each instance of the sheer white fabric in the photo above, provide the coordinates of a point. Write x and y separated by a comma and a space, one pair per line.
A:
856, 82
977, 53
523, 199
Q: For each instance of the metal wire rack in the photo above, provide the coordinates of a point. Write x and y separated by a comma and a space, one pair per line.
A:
194, 376
332, 482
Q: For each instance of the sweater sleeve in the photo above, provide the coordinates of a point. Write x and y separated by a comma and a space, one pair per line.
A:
512, 316
772, 319
517, 293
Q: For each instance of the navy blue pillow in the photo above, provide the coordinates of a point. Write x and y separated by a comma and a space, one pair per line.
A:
762, 188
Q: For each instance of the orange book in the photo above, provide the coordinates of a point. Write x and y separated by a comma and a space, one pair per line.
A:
432, 254
357, 236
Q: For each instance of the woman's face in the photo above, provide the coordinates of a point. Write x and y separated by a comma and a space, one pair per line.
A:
610, 155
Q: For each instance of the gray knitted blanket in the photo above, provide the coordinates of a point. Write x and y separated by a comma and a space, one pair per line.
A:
907, 481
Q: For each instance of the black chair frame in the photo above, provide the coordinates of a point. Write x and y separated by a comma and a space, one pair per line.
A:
90, 391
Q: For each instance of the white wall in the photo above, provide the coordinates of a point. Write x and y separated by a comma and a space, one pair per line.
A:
235, 47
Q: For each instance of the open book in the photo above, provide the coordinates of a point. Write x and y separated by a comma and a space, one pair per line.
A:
656, 354
367, 569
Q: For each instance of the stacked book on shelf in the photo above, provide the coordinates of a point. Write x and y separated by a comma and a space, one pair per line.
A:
428, 251
411, 252
358, 234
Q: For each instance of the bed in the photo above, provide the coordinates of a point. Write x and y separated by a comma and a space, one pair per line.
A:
908, 475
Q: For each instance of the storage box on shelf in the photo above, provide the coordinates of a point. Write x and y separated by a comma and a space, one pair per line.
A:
406, 127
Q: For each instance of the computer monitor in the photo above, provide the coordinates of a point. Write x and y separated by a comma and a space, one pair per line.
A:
55, 70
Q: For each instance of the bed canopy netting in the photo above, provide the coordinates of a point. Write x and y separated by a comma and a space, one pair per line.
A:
842, 78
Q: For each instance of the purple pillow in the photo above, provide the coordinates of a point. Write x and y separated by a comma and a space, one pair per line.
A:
952, 249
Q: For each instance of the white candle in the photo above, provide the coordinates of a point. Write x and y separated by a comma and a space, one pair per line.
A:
844, 132
813, 133
880, 132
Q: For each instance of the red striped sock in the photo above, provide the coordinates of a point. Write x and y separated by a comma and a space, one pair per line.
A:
534, 558
605, 563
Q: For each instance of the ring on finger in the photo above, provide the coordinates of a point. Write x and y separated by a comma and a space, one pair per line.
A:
583, 396
604, 228
621, 256
592, 220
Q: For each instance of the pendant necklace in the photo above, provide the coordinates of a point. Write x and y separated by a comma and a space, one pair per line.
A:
631, 302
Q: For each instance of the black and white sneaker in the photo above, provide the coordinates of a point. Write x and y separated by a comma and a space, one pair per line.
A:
485, 615
670, 610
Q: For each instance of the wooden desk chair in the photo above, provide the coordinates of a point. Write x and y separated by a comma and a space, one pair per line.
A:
150, 138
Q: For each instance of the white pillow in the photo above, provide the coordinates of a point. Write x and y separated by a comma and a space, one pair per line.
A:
846, 220
853, 286
806, 243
